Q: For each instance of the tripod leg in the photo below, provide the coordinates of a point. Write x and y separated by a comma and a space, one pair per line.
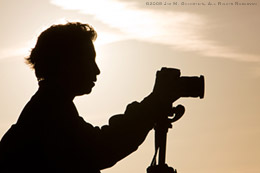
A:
162, 148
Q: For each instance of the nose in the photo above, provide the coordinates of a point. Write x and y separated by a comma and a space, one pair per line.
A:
97, 70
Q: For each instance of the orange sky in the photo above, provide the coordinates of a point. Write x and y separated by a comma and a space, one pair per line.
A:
220, 133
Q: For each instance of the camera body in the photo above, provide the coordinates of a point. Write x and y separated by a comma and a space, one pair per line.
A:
171, 85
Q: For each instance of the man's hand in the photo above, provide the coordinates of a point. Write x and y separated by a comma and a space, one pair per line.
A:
165, 87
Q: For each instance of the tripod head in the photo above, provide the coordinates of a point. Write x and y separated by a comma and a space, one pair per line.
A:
161, 129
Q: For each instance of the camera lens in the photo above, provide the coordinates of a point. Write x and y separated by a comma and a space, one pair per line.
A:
192, 86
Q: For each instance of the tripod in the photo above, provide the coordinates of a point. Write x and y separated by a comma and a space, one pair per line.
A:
161, 129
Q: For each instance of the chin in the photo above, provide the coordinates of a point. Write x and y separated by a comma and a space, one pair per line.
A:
83, 91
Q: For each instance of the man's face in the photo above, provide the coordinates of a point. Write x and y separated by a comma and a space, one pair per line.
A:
83, 70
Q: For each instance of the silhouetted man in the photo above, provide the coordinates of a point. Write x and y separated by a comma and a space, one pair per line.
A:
50, 136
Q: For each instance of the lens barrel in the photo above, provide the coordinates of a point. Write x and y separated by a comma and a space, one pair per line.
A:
192, 86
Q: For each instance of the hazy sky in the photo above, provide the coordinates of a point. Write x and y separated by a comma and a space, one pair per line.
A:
220, 133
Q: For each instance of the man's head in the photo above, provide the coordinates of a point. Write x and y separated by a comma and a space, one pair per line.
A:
65, 55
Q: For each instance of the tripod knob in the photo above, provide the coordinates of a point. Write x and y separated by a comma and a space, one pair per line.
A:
178, 112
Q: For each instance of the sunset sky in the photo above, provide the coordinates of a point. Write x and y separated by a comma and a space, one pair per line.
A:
220, 133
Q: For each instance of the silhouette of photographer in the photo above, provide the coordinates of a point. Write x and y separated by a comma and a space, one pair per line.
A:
50, 136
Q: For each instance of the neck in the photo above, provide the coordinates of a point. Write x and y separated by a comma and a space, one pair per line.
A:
57, 89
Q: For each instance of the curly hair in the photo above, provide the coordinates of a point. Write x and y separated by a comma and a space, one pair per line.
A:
58, 45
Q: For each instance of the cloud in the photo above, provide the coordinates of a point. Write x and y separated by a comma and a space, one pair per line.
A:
181, 30
13, 52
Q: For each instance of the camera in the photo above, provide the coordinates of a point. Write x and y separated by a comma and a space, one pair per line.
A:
191, 86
